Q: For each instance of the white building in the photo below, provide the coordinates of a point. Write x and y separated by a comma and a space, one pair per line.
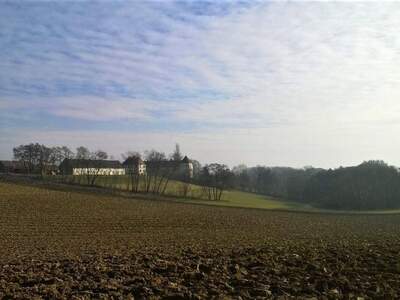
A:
134, 165
91, 167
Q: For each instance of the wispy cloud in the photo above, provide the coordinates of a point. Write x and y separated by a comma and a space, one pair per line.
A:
102, 109
226, 66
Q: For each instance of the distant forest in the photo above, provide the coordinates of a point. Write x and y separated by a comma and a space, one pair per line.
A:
370, 185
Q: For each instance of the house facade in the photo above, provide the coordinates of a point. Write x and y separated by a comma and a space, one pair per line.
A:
182, 169
91, 167
179, 169
134, 165
186, 167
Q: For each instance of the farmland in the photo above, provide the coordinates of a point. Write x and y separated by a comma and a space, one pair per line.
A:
230, 198
69, 243
196, 194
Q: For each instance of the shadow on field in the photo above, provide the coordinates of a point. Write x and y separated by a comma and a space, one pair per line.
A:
43, 183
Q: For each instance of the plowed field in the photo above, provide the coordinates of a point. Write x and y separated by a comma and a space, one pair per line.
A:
68, 244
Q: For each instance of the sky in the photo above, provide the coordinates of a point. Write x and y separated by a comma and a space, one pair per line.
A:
254, 82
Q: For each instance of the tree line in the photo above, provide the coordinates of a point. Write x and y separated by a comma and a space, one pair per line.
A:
161, 169
41, 159
213, 178
370, 185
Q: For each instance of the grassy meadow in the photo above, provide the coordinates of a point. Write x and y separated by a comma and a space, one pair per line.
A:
196, 194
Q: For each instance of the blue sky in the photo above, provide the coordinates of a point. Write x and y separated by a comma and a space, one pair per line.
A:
275, 83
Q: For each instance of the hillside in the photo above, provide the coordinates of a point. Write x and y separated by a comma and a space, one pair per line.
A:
196, 194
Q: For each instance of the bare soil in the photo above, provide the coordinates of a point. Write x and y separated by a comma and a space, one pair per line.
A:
70, 244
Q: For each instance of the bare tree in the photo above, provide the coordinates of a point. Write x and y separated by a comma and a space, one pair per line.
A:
28, 155
168, 172
82, 153
176, 155
158, 171
93, 170
56, 155
99, 154
66, 152
216, 178
47, 157
132, 163
185, 185
130, 153
36, 158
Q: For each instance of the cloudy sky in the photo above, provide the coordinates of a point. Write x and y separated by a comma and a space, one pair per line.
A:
270, 83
